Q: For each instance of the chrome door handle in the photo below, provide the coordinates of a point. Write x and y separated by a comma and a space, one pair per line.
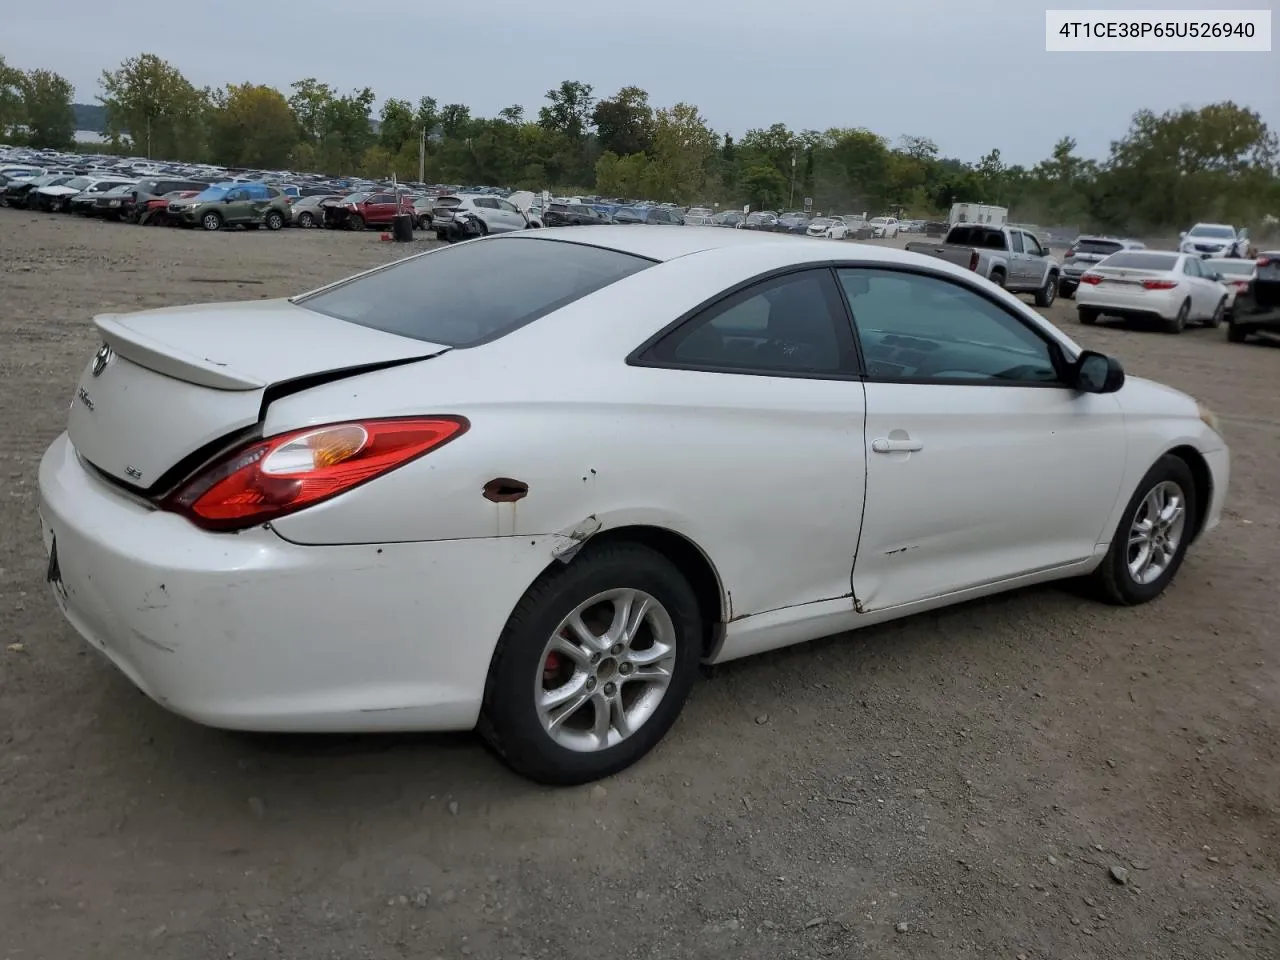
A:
885, 445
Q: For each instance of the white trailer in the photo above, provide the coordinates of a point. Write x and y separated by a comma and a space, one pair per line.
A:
979, 213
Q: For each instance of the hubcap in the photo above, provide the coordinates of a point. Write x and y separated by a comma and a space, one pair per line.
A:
1156, 532
605, 670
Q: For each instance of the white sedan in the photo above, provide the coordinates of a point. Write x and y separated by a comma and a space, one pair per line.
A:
1174, 288
1234, 275
418, 499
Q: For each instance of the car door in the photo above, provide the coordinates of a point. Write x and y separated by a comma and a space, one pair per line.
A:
511, 215
1198, 288
237, 206
1017, 276
982, 465
1035, 255
765, 384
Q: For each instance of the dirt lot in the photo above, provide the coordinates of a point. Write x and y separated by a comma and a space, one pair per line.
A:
959, 785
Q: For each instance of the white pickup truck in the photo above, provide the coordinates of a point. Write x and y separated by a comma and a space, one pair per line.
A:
1008, 257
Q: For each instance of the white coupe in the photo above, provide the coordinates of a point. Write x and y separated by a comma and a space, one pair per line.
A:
528, 483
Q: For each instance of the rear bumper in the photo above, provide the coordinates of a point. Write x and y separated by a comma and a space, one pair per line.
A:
1124, 303
249, 631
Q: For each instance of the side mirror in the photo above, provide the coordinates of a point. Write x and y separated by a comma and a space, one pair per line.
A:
1097, 373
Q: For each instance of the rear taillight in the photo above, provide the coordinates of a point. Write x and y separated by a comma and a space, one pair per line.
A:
1092, 279
973, 260
286, 473
1264, 262
1071, 252
1159, 284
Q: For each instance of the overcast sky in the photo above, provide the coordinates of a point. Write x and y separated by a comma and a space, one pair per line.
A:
971, 75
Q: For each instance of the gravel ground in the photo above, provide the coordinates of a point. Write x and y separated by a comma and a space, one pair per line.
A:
1031, 776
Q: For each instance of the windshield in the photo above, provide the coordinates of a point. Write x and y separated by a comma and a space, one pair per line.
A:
1216, 233
1141, 261
356, 197
449, 296
212, 193
1104, 247
79, 183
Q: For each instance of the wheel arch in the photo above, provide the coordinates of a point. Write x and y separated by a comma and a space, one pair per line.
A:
693, 564
1203, 478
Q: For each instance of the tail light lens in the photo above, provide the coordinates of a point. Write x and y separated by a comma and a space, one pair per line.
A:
286, 473
1092, 279
1264, 262
1071, 252
1159, 284
973, 260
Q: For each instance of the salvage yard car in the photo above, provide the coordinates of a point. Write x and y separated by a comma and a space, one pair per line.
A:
1208, 240
249, 205
370, 507
1173, 288
1084, 253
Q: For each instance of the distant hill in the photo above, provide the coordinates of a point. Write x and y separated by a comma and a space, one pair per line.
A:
90, 116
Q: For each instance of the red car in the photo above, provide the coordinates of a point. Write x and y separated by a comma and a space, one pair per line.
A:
360, 210
155, 213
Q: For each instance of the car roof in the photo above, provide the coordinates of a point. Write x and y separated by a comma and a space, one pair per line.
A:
662, 243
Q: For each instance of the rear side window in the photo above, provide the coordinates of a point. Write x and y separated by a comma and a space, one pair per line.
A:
984, 238
1141, 261
449, 296
1104, 247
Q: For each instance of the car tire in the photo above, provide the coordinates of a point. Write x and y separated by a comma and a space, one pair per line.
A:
211, 221
275, 220
1066, 291
442, 236
1215, 321
355, 222
997, 277
306, 220
1179, 322
518, 729
1236, 333
1088, 316
1121, 577
1046, 294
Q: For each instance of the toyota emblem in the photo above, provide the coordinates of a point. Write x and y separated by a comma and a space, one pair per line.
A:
101, 359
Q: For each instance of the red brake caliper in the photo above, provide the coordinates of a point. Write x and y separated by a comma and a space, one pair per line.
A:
551, 667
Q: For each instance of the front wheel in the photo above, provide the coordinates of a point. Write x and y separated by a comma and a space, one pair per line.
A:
306, 220
355, 222
1046, 294
1153, 536
211, 221
594, 665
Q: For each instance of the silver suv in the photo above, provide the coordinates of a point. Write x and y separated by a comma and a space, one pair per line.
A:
1084, 253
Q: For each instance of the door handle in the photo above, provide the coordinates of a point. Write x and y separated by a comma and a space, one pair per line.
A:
885, 445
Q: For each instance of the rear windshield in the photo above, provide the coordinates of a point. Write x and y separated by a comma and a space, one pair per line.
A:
1141, 261
1104, 247
985, 238
1239, 268
449, 296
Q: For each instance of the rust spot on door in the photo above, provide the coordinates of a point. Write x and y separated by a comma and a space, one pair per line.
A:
505, 490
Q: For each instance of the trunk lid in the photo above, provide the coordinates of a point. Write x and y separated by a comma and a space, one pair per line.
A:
169, 383
1128, 276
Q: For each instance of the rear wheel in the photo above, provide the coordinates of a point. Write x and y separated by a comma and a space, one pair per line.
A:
211, 221
594, 665
1088, 316
275, 220
1218, 313
1152, 538
1179, 322
997, 277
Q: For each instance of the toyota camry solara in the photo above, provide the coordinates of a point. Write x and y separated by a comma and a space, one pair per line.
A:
527, 483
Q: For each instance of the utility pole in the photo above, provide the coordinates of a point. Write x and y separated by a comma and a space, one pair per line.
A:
422, 156
792, 201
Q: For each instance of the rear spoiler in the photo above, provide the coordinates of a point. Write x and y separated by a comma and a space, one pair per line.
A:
164, 360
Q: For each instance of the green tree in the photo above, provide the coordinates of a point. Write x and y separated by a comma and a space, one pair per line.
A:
348, 132
252, 126
627, 176
625, 122
762, 185
152, 108
682, 145
50, 118
13, 113
568, 110
398, 125
310, 102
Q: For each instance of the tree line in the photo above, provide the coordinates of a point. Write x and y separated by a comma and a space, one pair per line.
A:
1220, 162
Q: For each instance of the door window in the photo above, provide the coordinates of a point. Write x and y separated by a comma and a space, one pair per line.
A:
487, 203
788, 325
1191, 267
508, 206
924, 329
1015, 241
1033, 245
